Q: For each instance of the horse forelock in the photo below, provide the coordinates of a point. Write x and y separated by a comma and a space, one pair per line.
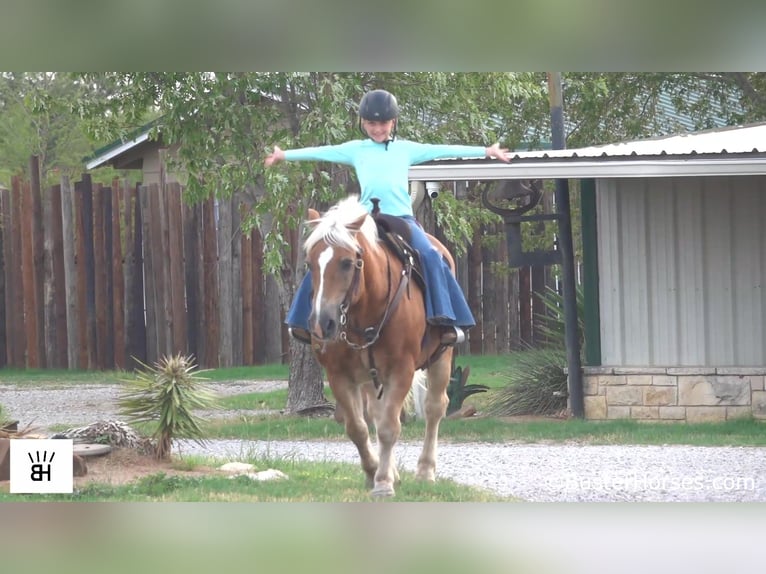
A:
333, 227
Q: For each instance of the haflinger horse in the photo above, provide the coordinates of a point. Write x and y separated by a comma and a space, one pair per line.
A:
369, 332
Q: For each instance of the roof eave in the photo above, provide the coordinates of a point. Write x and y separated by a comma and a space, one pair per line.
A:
613, 168
116, 151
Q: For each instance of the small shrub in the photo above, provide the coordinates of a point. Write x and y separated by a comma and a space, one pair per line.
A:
165, 396
537, 385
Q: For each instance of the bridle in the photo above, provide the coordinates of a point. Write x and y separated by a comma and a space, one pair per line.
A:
370, 335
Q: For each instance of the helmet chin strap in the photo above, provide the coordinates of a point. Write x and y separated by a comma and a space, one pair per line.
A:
391, 136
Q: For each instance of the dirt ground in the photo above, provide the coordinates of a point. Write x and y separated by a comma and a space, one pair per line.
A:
123, 465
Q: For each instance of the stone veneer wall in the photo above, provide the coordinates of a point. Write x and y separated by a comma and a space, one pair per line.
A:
691, 394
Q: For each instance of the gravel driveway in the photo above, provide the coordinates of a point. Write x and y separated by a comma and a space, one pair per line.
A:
532, 472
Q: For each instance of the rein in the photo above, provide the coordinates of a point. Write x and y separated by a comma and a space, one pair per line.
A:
372, 334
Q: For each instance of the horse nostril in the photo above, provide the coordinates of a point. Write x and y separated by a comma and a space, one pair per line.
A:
330, 328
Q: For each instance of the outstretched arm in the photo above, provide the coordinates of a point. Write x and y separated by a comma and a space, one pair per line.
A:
276, 156
497, 152
341, 153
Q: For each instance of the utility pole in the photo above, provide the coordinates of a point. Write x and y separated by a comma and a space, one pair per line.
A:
571, 336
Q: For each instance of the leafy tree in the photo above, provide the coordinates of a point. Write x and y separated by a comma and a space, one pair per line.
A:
36, 119
226, 123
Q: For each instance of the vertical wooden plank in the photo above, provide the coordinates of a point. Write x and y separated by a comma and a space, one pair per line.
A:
89, 270
461, 264
80, 279
59, 359
488, 298
514, 314
246, 250
191, 257
502, 278
28, 278
38, 255
106, 218
165, 315
136, 302
201, 259
210, 271
236, 286
100, 272
148, 214
49, 288
225, 291
118, 275
15, 289
68, 225
4, 250
175, 262
474, 292
259, 356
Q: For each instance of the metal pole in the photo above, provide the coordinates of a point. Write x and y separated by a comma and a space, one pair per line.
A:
571, 336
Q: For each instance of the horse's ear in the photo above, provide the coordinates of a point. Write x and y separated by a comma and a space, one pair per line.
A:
357, 225
313, 214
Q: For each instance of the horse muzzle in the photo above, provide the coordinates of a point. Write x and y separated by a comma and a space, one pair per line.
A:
327, 325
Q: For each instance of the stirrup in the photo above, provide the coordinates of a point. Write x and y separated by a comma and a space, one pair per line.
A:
300, 334
453, 335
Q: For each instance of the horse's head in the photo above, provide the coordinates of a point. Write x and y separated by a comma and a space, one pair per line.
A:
335, 253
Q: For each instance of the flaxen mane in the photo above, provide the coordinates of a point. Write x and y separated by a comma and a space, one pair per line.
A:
332, 228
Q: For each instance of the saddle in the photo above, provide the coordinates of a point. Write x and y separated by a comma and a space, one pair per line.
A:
396, 234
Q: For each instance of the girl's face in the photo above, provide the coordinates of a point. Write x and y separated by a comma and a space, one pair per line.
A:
378, 131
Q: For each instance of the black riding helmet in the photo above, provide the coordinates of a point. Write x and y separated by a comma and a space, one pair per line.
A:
378, 106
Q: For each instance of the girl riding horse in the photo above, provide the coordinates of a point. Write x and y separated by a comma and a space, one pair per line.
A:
382, 162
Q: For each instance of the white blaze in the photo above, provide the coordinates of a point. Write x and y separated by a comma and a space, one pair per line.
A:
324, 258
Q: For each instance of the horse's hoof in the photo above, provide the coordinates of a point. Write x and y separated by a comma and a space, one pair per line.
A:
382, 490
426, 475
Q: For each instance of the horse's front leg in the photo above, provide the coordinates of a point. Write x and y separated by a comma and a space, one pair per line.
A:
349, 396
385, 412
435, 409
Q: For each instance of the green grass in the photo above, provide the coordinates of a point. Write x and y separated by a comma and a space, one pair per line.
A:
275, 372
10, 376
487, 370
272, 400
743, 432
308, 482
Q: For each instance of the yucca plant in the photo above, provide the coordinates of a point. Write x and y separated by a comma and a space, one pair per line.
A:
458, 391
164, 396
537, 385
552, 319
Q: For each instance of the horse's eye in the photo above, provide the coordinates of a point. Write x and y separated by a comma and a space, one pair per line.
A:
346, 264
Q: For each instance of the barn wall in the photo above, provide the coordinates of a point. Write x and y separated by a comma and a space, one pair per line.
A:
682, 264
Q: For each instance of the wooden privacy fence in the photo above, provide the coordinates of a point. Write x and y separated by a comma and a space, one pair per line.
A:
97, 277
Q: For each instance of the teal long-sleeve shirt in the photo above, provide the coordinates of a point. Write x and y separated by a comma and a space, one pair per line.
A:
383, 171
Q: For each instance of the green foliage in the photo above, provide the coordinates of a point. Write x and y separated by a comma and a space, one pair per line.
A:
552, 320
537, 385
36, 119
228, 122
165, 396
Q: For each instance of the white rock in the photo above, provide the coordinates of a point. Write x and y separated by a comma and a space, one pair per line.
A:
237, 467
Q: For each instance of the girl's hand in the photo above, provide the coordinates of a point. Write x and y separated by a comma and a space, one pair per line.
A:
274, 157
498, 153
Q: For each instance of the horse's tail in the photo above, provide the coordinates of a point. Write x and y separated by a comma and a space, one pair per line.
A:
414, 404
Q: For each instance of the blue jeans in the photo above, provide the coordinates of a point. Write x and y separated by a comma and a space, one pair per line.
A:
445, 302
